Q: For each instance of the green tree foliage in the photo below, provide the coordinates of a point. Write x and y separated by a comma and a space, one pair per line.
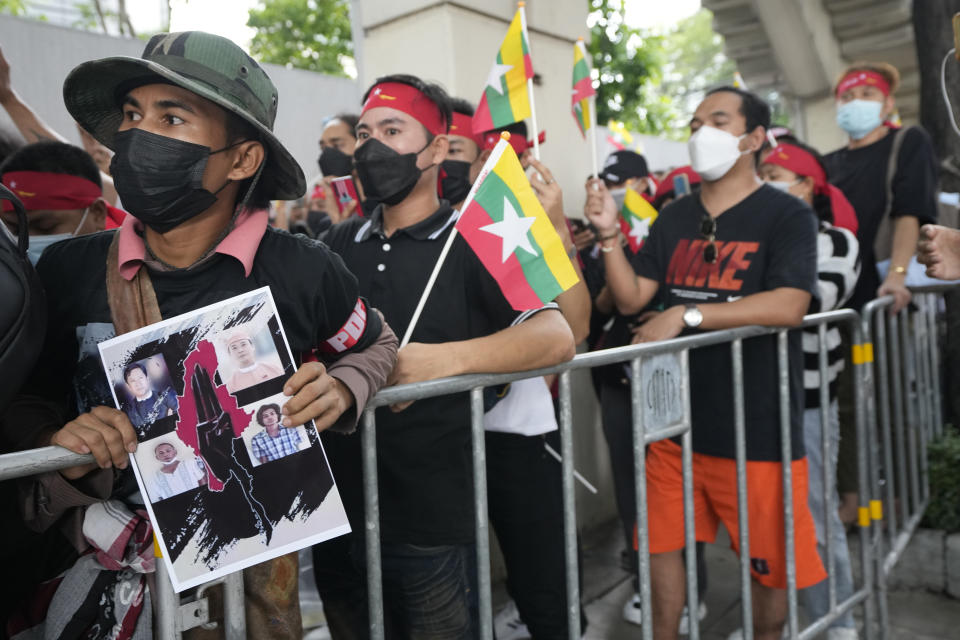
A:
13, 7
943, 511
305, 34
625, 61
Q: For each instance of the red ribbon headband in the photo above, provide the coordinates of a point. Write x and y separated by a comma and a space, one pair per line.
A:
805, 165
462, 126
491, 138
44, 191
863, 78
409, 100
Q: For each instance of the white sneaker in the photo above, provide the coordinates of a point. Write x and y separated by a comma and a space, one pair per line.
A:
685, 619
633, 611
508, 625
842, 633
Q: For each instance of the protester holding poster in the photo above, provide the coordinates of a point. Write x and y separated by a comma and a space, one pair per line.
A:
195, 166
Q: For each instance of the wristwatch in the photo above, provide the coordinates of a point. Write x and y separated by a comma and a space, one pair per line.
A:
692, 316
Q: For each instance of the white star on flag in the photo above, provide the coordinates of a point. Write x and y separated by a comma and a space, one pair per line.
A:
497, 71
639, 229
512, 229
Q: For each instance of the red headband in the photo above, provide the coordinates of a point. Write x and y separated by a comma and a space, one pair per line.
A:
491, 138
44, 191
409, 100
805, 165
860, 78
462, 125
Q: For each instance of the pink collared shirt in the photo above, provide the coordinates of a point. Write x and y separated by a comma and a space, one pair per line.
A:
241, 243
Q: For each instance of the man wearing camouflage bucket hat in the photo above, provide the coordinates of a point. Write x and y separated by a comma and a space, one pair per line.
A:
196, 163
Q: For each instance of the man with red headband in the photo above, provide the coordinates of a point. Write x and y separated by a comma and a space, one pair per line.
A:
59, 184
467, 326
518, 140
890, 207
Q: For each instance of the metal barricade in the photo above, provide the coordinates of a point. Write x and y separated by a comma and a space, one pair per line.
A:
902, 360
669, 360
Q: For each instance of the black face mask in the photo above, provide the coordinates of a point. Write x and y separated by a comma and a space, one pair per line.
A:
160, 179
456, 184
334, 163
387, 176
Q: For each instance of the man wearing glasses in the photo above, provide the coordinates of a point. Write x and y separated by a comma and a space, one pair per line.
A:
739, 253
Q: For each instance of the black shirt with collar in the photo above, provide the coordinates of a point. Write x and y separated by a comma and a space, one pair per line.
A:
423, 452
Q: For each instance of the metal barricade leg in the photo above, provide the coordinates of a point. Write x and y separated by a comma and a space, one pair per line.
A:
569, 508
828, 469
168, 603
786, 454
911, 413
743, 516
923, 393
640, 482
480, 513
371, 498
864, 393
883, 401
935, 364
896, 388
234, 615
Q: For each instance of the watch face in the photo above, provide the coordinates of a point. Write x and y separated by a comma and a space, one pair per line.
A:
692, 317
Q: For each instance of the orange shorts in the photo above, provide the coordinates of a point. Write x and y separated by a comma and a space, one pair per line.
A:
715, 501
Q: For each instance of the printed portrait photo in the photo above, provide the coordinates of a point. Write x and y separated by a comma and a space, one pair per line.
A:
146, 391
248, 356
266, 439
169, 467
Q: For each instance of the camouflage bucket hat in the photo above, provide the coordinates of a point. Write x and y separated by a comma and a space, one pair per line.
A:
210, 66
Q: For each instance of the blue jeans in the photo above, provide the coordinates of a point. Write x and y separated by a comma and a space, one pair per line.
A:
428, 591
816, 599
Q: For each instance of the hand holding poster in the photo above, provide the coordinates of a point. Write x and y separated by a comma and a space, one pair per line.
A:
225, 484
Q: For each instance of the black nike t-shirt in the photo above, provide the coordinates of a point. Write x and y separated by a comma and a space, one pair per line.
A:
862, 176
766, 241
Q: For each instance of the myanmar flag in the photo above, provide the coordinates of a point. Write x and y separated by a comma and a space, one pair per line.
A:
505, 225
582, 88
505, 99
636, 216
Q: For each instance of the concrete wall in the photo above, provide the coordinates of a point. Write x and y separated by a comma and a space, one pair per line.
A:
41, 55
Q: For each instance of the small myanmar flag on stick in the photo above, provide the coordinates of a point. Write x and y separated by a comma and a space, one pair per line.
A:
505, 99
636, 216
506, 226
582, 88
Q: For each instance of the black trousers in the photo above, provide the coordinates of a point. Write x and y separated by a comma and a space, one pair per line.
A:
525, 503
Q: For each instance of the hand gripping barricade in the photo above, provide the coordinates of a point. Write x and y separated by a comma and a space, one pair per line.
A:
903, 382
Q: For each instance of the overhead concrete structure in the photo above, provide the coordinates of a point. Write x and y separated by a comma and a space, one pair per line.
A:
798, 47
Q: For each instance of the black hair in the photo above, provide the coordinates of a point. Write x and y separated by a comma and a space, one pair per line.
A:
753, 108
127, 370
661, 202
9, 142
437, 94
53, 156
272, 406
515, 128
239, 130
821, 201
349, 119
461, 106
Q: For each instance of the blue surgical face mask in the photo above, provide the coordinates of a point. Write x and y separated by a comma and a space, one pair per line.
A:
39, 243
859, 117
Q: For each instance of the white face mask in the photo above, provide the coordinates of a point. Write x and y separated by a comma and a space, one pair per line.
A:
713, 152
782, 185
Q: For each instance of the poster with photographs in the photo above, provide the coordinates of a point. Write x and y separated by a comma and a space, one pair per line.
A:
226, 485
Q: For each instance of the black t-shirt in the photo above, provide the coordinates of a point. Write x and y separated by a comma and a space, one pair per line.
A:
766, 241
423, 452
314, 293
862, 176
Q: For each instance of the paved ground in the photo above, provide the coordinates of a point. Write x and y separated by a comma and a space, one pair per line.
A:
914, 615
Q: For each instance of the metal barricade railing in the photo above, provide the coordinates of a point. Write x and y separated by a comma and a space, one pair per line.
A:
902, 351
669, 360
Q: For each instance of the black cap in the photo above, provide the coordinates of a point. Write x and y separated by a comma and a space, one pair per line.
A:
623, 165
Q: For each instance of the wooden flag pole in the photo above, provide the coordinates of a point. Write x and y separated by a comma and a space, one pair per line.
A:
487, 168
533, 109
